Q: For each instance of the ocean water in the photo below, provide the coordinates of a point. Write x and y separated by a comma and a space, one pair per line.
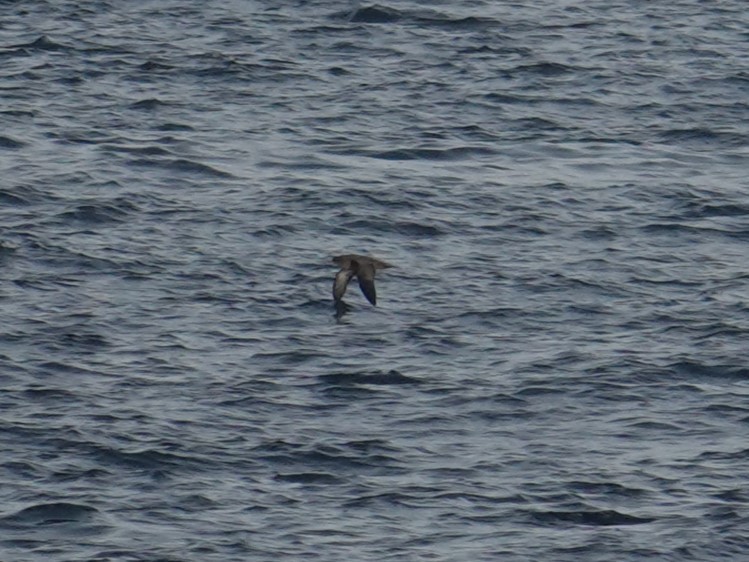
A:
557, 367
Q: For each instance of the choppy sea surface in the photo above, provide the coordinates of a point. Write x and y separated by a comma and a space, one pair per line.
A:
557, 368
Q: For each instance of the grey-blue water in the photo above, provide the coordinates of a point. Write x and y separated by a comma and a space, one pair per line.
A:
557, 368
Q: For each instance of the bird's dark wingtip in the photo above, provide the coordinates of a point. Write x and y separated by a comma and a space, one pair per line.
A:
367, 287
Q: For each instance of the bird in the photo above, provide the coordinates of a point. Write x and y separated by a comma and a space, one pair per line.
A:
361, 267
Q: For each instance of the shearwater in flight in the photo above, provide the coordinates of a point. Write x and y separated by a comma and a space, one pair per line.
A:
361, 267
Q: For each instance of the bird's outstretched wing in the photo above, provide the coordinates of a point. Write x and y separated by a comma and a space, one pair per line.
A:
341, 282
366, 274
